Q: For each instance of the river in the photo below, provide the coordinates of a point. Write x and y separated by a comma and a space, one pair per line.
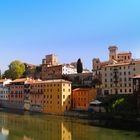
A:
46, 127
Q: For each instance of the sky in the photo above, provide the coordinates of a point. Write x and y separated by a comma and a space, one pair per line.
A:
72, 29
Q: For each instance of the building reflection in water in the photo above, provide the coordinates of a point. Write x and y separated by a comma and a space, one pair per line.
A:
44, 127
35, 128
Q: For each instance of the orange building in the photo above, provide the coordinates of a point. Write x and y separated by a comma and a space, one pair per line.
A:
81, 97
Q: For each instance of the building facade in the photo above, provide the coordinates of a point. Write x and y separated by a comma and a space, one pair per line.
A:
50, 60
116, 74
57, 71
50, 96
17, 96
81, 98
57, 96
4, 92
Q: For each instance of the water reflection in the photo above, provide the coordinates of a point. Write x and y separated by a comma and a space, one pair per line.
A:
43, 127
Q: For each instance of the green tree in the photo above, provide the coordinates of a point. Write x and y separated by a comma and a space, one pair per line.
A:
16, 70
6, 74
37, 73
79, 66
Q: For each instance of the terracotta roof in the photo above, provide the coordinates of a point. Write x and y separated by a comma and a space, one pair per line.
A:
136, 77
85, 89
51, 81
30, 65
124, 53
118, 64
32, 81
51, 66
21, 80
2, 80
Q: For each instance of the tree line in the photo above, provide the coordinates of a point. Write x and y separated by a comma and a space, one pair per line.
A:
17, 69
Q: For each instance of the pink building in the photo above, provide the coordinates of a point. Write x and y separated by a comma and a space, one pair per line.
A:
16, 97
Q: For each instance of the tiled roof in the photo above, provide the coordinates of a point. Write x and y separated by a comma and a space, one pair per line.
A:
30, 65
19, 80
123, 53
2, 80
118, 64
136, 77
51, 81
81, 89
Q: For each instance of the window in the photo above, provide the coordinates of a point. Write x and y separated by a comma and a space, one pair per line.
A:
63, 96
125, 79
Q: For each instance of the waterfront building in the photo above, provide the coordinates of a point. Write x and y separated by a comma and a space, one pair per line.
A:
4, 91
27, 94
136, 88
36, 96
50, 96
116, 73
81, 98
57, 96
16, 97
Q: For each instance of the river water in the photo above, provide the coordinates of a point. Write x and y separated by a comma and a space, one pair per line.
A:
45, 127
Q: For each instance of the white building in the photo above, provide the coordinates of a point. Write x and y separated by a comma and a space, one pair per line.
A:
4, 91
68, 69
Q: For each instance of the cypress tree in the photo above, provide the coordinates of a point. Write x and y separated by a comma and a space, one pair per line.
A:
79, 66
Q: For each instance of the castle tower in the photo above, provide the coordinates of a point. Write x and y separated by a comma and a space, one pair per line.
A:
50, 60
113, 53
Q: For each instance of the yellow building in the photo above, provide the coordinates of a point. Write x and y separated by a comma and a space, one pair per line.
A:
57, 96
51, 96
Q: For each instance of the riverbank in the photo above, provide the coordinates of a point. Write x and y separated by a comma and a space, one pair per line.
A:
125, 121
130, 122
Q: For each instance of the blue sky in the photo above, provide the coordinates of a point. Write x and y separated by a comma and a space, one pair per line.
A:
72, 29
